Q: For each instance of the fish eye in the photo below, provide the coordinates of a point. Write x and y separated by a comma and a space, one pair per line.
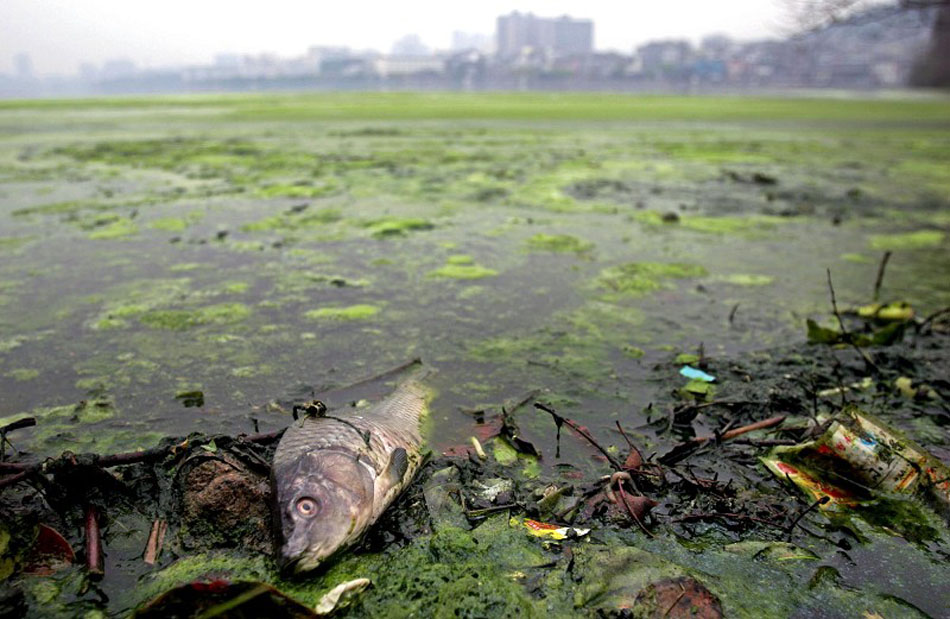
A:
306, 507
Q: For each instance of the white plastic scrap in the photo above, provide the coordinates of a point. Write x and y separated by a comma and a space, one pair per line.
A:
340, 596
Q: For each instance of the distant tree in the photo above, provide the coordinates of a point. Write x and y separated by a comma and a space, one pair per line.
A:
932, 68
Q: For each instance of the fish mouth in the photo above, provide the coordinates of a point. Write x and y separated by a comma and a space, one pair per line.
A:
289, 566
294, 565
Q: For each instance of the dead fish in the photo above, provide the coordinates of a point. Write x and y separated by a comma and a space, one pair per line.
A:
334, 475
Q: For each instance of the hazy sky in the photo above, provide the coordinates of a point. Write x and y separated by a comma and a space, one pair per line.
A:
60, 34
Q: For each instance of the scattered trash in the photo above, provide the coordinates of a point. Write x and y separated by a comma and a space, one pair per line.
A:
491, 488
693, 374
341, 596
890, 312
857, 457
866, 383
479, 451
545, 530
906, 387
884, 336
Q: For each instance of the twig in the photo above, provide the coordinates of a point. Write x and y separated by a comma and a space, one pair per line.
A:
765, 442
110, 460
844, 331
711, 515
19, 424
265, 437
93, 543
14, 479
523, 400
932, 317
732, 314
634, 458
821, 501
880, 275
479, 513
26, 422
559, 420
155, 539
676, 601
681, 450
758, 425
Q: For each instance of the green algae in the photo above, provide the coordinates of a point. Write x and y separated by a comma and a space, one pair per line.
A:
182, 319
448, 573
639, 278
921, 239
634, 352
12, 343
687, 358
295, 220
183, 267
119, 228
23, 374
578, 343
460, 259
13, 243
53, 420
176, 224
361, 311
462, 271
747, 279
235, 287
561, 243
247, 246
250, 371
303, 189
388, 227
747, 224
752, 225
856, 258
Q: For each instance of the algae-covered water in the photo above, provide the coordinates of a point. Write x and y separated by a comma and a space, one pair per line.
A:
259, 249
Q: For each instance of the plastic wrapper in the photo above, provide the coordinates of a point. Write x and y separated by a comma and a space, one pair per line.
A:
859, 457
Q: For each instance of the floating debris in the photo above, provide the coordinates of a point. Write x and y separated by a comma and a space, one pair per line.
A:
858, 457
548, 531
341, 596
694, 374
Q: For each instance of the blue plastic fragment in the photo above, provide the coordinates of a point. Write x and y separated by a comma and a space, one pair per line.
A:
692, 373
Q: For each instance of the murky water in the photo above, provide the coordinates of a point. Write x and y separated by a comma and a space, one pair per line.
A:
123, 226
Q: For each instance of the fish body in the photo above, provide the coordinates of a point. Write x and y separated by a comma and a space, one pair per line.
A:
334, 475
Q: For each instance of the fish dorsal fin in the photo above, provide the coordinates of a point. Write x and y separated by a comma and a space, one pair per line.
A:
398, 465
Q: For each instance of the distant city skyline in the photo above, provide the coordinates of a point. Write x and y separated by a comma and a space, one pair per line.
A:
60, 35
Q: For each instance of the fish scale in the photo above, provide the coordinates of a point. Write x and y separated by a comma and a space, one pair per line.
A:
392, 423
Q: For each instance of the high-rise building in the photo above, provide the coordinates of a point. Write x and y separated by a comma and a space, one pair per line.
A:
562, 35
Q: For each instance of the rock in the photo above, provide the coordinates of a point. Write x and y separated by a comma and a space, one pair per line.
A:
226, 504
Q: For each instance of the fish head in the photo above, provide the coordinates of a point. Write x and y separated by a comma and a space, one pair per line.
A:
324, 502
